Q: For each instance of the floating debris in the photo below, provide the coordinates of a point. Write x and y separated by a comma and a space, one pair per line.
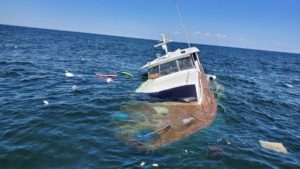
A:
120, 116
222, 141
69, 74
46, 102
127, 74
155, 165
189, 99
109, 80
160, 111
278, 147
106, 76
188, 120
288, 85
75, 88
215, 152
142, 163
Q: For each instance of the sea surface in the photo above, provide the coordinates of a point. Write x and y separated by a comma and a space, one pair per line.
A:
258, 97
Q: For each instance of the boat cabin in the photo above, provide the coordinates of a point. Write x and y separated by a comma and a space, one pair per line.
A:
168, 66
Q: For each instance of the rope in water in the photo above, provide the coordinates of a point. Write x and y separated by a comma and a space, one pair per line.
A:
164, 129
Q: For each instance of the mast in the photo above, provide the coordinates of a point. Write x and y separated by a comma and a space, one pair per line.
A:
164, 43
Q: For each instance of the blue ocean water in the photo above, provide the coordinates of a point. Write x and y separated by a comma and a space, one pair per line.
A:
258, 99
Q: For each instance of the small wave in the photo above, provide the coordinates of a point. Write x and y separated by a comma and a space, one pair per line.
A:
22, 63
33, 78
10, 74
3, 62
11, 45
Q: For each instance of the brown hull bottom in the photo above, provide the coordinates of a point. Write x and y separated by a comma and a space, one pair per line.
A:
154, 125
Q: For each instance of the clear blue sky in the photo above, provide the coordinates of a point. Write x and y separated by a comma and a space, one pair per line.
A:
258, 24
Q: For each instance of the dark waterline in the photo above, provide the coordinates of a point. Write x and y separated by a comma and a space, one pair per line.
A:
260, 101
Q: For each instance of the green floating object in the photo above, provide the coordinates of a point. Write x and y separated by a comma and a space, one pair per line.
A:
127, 74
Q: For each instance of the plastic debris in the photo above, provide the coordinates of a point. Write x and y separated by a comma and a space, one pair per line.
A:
106, 76
155, 165
222, 141
189, 99
120, 116
187, 120
142, 163
160, 111
45, 102
288, 85
75, 88
69, 74
127, 74
278, 147
186, 151
109, 80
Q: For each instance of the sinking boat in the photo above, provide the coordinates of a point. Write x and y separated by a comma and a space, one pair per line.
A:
175, 75
185, 104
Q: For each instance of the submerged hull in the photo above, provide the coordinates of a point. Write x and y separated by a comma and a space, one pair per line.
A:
177, 93
152, 125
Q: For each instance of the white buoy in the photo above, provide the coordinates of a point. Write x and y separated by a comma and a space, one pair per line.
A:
75, 88
69, 74
109, 80
45, 102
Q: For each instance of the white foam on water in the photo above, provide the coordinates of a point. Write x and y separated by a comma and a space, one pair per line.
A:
218, 89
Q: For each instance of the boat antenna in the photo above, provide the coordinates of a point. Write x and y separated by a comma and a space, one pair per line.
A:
182, 24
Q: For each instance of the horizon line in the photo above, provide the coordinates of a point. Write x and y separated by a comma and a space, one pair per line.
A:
140, 38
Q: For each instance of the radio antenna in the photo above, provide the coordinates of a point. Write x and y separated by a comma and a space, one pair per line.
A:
182, 24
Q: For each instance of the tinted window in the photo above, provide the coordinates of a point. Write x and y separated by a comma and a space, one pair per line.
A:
168, 68
185, 63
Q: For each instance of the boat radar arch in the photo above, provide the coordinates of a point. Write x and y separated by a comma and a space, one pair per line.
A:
164, 43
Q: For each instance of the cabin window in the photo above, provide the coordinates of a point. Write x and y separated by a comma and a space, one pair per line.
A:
195, 56
185, 63
154, 72
168, 68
